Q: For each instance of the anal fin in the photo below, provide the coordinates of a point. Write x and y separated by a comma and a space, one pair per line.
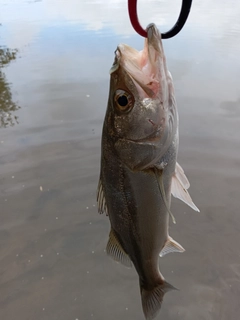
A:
116, 252
171, 246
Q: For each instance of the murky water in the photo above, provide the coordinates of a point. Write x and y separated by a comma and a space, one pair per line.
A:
53, 95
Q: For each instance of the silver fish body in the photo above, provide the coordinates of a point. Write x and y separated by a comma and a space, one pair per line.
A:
138, 165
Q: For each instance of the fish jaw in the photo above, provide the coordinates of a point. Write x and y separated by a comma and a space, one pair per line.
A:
147, 67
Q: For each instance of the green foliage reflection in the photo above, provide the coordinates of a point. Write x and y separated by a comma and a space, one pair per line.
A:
7, 106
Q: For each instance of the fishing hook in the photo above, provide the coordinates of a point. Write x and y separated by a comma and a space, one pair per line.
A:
132, 11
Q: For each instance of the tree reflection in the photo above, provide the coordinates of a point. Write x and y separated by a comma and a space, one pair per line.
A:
7, 106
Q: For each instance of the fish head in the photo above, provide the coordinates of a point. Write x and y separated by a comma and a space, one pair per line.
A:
141, 114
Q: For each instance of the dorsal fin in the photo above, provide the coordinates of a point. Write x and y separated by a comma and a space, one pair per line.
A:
101, 201
180, 184
171, 246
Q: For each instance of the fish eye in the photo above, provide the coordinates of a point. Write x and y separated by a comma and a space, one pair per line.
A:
124, 100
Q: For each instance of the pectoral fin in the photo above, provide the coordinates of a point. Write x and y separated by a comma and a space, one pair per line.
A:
101, 201
158, 174
180, 184
171, 246
116, 252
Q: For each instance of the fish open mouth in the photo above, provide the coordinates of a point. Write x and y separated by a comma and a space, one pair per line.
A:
145, 67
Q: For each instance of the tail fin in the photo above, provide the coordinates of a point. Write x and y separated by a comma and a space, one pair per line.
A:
152, 298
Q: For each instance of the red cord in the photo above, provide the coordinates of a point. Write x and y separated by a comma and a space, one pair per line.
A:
185, 9
132, 10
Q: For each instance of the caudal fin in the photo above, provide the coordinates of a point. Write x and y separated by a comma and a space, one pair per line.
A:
152, 299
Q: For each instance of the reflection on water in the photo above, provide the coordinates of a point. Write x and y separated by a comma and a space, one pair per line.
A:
52, 241
7, 106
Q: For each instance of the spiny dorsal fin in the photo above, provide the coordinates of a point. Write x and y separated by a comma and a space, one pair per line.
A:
171, 246
180, 184
158, 174
102, 206
115, 250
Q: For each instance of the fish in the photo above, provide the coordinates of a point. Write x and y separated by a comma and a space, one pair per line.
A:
139, 170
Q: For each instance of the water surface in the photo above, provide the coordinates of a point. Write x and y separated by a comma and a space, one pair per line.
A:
53, 95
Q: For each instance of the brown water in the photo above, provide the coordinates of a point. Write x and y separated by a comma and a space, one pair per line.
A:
52, 240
